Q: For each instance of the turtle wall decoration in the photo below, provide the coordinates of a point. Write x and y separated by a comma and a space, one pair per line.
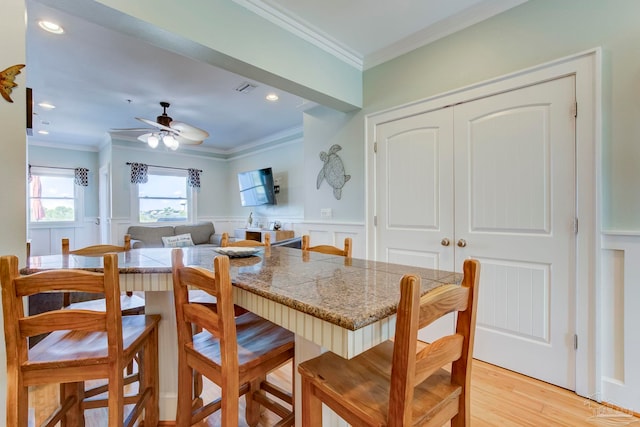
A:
333, 171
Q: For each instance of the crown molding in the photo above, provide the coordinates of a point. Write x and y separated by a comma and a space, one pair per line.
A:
441, 29
300, 28
52, 144
292, 134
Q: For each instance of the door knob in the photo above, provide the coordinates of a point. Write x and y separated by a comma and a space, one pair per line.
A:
462, 243
445, 242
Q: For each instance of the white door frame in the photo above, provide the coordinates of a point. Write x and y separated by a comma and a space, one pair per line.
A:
586, 66
104, 204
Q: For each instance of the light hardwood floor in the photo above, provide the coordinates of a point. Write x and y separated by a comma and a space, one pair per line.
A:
498, 398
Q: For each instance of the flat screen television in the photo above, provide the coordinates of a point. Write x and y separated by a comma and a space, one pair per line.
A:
256, 187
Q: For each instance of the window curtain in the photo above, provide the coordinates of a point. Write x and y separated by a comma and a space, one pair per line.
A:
139, 173
81, 176
194, 178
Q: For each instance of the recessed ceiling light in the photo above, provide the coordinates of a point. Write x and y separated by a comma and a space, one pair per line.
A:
47, 105
272, 97
43, 132
51, 27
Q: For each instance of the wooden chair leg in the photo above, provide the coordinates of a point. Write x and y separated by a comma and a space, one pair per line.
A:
252, 411
17, 401
311, 406
149, 372
115, 398
74, 415
185, 388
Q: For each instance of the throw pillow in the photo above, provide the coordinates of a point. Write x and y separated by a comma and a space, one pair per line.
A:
179, 241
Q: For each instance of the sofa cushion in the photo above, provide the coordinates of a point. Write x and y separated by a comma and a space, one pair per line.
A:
151, 237
200, 233
177, 241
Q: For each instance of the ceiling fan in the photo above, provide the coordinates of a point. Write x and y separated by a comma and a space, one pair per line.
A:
170, 132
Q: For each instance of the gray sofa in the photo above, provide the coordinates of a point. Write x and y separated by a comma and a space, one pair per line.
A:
151, 236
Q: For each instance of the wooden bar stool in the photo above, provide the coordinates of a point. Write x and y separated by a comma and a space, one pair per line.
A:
129, 302
328, 249
81, 345
236, 353
402, 382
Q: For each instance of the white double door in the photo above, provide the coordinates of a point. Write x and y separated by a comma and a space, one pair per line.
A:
492, 179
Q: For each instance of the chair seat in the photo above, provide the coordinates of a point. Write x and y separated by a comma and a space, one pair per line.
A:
343, 379
258, 340
76, 348
205, 298
129, 305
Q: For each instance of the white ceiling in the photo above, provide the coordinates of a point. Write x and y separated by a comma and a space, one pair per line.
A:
100, 79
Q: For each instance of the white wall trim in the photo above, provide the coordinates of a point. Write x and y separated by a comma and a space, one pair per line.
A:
619, 292
586, 66
296, 26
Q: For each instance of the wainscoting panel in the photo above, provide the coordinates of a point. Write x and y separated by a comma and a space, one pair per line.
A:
618, 320
332, 233
48, 240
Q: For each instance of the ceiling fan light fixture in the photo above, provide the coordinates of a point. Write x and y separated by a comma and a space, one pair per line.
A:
152, 141
170, 142
172, 133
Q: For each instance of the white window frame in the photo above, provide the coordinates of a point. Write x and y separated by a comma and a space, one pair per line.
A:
192, 198
78, 196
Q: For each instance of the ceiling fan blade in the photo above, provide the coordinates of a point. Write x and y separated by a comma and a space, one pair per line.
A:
185, 141
189, 132
144, 137
155, 124
132, 130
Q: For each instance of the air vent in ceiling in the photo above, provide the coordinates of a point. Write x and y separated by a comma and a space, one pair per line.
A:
246, 87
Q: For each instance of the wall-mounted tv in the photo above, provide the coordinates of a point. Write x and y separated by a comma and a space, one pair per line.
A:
256, 187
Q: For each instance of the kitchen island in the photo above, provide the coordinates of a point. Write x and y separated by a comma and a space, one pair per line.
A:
330, 302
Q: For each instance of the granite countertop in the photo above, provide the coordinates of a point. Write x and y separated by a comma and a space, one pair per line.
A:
351, 293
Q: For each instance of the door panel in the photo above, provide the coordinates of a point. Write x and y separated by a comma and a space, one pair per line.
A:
515, 208
499, 174
414, 203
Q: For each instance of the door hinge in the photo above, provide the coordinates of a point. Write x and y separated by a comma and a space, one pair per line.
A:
575, 225
375, 147
575, 110
575, 341
375, 220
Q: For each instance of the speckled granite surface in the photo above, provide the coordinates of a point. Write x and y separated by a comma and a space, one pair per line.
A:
349, 293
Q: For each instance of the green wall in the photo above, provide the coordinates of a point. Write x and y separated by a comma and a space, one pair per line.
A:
537, 32
13, 173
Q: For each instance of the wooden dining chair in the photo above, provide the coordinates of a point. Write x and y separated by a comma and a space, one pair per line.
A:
130, 303
236, 353
328, 249
96, 250
402, 382
81, 345
225, 241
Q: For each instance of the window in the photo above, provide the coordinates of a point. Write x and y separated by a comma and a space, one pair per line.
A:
53, 196
164, 197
